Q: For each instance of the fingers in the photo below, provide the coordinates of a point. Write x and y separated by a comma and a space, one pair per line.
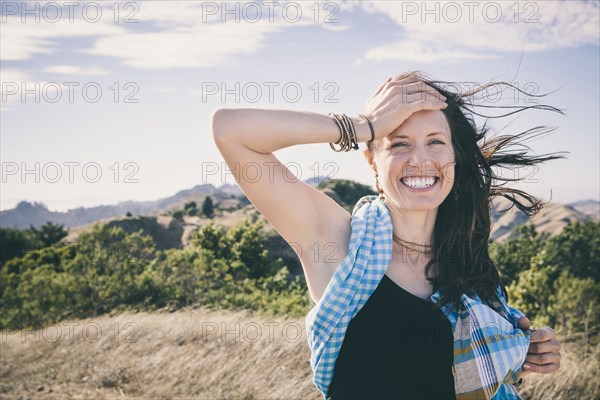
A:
543, 356
382, 86
427, 105
544, 347
416, 89
542, 335
542, 359
424, 101
406, 79
542, 368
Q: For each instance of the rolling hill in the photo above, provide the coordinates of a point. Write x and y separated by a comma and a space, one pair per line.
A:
231, 206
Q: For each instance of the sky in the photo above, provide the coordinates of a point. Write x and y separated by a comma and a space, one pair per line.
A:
103, 102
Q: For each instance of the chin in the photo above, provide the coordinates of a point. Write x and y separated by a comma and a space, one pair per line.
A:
421, 205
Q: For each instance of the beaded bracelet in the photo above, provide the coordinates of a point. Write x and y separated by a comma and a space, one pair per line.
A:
347, 139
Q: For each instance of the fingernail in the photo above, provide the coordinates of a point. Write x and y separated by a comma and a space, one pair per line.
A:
526, 366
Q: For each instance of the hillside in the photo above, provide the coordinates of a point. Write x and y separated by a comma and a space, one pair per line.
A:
551, 219
186, 354
170, 233
231, 207
37, 214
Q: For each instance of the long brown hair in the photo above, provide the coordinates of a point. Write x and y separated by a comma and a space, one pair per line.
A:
462, 228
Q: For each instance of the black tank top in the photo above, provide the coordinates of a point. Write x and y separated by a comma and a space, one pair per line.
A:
398, 346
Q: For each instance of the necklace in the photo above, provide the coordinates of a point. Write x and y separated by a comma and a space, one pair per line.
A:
412, 245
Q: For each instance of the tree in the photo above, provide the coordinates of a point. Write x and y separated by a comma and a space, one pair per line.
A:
514, 255
576, 303
577, 249
532, 291
49, 233
208, 207
243, 247
178, 215
102, 271
14, 243
349, 192
128, 214
190, 208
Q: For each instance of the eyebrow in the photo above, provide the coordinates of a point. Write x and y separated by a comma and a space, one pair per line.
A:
429, 134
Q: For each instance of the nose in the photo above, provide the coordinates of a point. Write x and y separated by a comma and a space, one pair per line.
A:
419, 161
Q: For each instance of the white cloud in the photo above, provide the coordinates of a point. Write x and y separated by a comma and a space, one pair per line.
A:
185, 34
198, 35
23, 40
75, 70
201, 46
471, 35
182, 34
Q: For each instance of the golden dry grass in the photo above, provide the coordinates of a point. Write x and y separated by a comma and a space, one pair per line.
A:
578, 377
201, 354
174, 355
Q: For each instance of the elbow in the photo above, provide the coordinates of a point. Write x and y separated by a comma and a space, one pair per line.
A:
221, 123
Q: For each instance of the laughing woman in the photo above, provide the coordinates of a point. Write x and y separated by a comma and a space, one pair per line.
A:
415, 309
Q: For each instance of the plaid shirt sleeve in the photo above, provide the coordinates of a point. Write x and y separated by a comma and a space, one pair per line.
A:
516, 315
489, 348
508, 391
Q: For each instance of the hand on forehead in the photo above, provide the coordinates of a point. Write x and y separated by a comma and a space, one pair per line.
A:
422, 123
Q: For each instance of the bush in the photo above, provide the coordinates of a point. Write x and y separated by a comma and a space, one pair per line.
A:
48, 234
555, 281
16, 242
190, 208
577, 249
99, 273
514, 255
232, 270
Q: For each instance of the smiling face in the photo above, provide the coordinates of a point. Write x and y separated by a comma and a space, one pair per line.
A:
420, 147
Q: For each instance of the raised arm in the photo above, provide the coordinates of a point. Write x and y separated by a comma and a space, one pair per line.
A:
304, 216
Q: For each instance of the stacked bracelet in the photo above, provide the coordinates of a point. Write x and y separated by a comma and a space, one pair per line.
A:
347, 139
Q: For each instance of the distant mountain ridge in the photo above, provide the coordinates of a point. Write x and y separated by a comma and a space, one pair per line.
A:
37, 214
233, 206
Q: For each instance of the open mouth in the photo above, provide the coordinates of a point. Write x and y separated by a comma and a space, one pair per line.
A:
420, 183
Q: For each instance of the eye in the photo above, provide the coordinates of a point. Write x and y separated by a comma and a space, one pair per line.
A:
405, 144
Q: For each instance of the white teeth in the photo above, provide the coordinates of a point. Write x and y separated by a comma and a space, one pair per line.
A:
419, 182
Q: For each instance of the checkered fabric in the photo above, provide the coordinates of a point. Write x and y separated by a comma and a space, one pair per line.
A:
489, 347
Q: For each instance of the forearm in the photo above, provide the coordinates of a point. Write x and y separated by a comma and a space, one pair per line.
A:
266, 131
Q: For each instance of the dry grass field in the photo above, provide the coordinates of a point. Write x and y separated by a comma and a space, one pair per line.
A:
201, 354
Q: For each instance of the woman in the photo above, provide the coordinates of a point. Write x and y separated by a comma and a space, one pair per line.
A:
435, 184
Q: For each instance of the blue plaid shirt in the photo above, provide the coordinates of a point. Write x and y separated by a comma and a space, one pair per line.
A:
489, 347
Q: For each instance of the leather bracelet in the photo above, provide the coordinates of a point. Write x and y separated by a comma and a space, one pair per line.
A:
370, 127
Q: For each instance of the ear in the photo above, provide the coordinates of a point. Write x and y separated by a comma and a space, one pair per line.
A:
369, 158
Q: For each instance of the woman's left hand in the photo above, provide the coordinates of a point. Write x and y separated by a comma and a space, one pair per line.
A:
543, 356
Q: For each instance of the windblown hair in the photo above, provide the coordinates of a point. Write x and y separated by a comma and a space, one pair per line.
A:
461, 261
